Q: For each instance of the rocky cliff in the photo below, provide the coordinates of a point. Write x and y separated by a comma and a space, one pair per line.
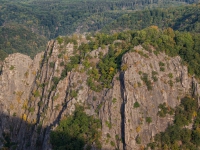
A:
33, 100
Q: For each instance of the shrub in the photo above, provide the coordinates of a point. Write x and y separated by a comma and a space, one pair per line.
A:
108, 135
117, 137
36, 93
162, 69
39, 128
62, 63
26, 74
24, 117
114, 100
136, 105
94, 98
156, 52
170, 82
146, 81
154, 73
138, 139
139, 84
109, 125
12, 67
60, 40
170, 75
138, 129
14, 114
164, 110
140, 72
73, 93
112, 143
60, 55
154, 77
31, 109
52, 64
40, 103
99, 107
161, 64
55, 80
57, 107
124, 67
143, 54
148, 120
178, 79
56, 97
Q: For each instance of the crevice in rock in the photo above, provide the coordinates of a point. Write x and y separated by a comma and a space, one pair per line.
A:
194, 88
50, 46
1, 70
33, 137
58, 118
122, 110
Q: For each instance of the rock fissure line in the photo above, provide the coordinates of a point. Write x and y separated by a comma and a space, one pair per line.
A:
122, 110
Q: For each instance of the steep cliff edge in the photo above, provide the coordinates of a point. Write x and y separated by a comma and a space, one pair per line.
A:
35, 96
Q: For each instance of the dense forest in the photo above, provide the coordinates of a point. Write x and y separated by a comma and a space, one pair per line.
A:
48, 19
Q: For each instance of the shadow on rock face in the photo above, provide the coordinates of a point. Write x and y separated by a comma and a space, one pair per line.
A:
17, 134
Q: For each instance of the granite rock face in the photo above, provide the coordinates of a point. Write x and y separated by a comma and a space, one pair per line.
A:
31, 104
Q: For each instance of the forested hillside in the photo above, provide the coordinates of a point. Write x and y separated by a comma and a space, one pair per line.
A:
53, 18
184, 18
47, 19
17, 38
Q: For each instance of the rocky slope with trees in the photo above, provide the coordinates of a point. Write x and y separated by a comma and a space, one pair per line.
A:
102, 92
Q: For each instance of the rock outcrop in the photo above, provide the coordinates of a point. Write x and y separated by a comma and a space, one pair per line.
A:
33, 101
